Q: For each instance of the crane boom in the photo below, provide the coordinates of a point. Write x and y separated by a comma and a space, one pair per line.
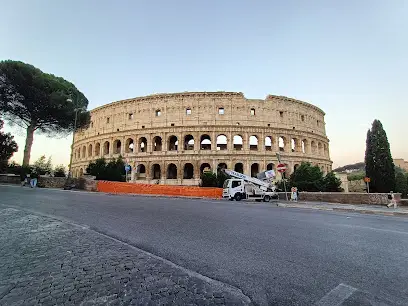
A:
248, 178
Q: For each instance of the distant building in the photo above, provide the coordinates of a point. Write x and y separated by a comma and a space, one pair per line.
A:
399, 162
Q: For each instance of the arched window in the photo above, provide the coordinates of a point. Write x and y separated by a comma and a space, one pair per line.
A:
313, 146
83, 152
222, 166
129, 145
97, 149
188, 172
117, 146
142, 144
173, 143
294, 144
157, 143
268, 143
270, 166
188, 142
253, 143
239, 167
282, 143
221, 142
320, 148
90, 150
254, 169
205, 167
156, 171
238, 143
304, 146
172, 171
205, 142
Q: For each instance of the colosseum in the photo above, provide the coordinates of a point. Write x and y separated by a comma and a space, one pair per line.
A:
172, 138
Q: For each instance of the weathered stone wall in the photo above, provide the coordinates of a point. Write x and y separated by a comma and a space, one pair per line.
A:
172, 137
344, 198
9, 179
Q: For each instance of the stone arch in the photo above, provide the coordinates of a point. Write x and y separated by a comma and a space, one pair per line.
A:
204, 166
254, 169
117, 145
294, 144
238, 142
268, 143
189, 142
313, 147
188, 171
222, 166
295, 167
97, 149
239, 167
253, 143
319, 148
81, 172
282, 143
205, 142
157, 143
156, 171
326, 150
172, 171
270, 166
83, 151
142, 144
221, 142
304, 146
129, 145
90, 152
173, 143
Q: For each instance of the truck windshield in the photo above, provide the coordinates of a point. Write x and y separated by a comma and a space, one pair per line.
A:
225, 184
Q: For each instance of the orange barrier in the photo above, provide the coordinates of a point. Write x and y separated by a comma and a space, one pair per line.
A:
167, 190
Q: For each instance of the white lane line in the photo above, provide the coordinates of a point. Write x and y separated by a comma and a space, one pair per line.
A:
337, 296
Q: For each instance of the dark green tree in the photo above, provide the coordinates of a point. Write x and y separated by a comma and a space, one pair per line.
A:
208, 179
379, 164
332, 183
112, 171
59, 171
307, 178
38, 101
7, 148
401, 181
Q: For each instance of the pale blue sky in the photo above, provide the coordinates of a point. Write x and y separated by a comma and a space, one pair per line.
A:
348, 57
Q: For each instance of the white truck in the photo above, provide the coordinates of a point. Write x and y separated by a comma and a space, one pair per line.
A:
242, 186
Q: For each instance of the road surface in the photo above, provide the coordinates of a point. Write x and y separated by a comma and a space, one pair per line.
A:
275, 255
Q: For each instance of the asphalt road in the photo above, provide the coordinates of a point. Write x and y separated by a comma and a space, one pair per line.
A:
276, 255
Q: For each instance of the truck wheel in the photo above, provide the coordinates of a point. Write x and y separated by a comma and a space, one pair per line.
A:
267, 198
238, 197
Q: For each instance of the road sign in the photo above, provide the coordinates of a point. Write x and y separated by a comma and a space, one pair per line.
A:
281, 168
367, 179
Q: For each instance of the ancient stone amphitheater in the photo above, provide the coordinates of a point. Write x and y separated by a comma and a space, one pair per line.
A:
173, 138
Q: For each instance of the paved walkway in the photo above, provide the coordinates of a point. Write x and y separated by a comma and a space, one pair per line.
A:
50, 262
364, 209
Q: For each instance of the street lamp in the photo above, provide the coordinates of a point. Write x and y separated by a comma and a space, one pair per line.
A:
73, 137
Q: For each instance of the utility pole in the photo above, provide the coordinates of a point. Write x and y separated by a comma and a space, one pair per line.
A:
283, 176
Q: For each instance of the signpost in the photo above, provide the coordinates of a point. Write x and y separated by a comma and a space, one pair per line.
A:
127, 169
367, 180
282, 168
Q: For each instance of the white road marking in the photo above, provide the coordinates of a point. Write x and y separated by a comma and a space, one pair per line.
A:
337, 296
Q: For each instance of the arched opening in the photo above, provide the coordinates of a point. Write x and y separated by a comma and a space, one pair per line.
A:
205, 142
81, 172
320, 148
173, 143
142, 144
313, 146
304, 146
294, 144
141, 171
83, 152
282, 143
156, 171
222, 166
188, 142
97, 149
268, 143
205, 167
221, 142
188, 172
254, 169
237, 141
239, 167
129, 145
326, 150
90, 150
253, 143
270, 166
295, 167
117, 146
157, 143
172, 171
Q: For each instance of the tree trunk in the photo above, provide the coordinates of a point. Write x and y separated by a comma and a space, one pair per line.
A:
28, 144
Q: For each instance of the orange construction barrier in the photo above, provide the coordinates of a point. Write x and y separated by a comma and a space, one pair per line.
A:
167, 190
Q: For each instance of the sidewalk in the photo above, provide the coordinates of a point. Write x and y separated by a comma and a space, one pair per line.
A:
363, 208
51, 262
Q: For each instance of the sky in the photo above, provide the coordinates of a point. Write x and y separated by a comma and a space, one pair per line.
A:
350, 58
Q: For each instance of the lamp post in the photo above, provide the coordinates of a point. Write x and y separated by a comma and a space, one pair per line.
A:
73, 138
